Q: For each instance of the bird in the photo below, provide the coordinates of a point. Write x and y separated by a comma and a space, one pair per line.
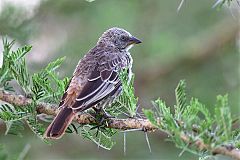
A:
96, 81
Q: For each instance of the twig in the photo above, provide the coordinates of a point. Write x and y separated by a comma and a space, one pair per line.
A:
24, 152
124, 143
148, 143
121, 124
223, 150
180, 5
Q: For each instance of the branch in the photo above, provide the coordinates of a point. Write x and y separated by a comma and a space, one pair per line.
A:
121, 124
52, 109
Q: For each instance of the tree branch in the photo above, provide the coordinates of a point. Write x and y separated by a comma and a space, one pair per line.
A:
52, 109
121, 124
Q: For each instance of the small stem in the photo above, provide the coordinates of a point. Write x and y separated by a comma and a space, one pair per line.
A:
3, 76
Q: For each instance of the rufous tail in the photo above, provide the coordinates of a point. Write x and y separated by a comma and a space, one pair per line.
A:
60, 123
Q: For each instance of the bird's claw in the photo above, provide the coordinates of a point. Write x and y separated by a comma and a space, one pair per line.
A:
101, 118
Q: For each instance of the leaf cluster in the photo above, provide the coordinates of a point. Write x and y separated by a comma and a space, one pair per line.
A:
44, 85
191, 123
126, 103
101, 136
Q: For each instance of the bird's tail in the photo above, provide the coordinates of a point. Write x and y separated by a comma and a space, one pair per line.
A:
60, 123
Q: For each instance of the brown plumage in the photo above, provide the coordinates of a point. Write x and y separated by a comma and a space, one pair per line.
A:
95, 80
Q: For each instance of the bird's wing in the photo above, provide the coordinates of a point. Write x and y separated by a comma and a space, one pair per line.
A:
97, 88
102, 82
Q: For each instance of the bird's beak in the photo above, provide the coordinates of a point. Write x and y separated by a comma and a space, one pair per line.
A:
134, 40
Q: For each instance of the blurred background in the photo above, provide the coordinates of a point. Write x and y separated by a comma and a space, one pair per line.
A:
199, 44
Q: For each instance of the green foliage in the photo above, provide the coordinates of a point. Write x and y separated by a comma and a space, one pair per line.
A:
10, 113
102, 137
14, 128
36, 127
223, 118
44, 85
10, 71
126, 103
13, 117
180, 99
195, 121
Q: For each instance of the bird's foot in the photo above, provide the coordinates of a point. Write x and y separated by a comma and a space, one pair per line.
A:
100, 112
101, 118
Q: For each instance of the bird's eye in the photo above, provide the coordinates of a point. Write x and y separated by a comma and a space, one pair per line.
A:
123, 38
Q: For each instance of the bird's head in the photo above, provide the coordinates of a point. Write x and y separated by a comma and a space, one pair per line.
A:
119, 38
